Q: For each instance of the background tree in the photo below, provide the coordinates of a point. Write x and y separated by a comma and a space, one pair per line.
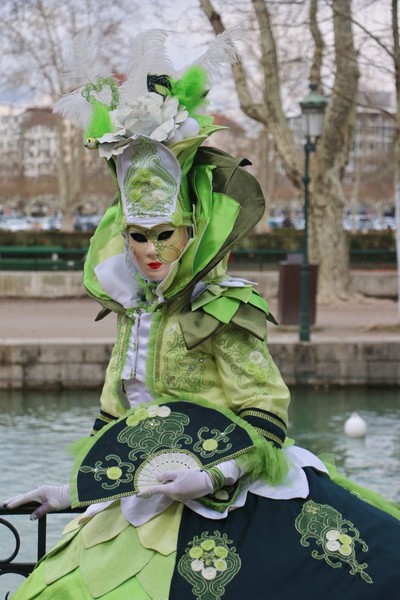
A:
396, 62
381, 52
328, 245
34, 35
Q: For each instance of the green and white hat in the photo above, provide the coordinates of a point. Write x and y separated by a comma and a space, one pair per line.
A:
149, 125
149, 179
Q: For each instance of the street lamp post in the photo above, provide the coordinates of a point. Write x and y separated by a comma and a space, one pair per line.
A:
312, 109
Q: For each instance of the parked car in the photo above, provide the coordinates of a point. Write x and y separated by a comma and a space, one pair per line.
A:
86, 222
45, 223
14, 223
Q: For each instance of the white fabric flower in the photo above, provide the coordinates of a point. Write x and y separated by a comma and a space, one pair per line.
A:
164, 411
197, 565
150, 115
153, 410
209, 573
333, 545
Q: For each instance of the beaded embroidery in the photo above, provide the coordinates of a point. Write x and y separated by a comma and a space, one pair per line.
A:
209, 441
149, 188
335, 536
183, 370
248, 358
120, 347
210, 562
98, 86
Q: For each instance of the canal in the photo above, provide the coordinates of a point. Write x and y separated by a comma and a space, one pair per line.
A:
36, 428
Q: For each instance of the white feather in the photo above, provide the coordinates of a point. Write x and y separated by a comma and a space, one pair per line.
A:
221, 52
148, 55
74, 108
83, 63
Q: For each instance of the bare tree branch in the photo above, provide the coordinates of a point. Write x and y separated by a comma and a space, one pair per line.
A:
278, 123
250, 108
315, 71
341, 109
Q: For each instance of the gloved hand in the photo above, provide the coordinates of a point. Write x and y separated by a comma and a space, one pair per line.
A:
50, 497
230, 470
182, 485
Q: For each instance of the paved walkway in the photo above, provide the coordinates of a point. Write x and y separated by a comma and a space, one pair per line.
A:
73, 320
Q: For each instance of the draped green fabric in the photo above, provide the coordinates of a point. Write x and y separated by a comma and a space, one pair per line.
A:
197, 327
222, 309
215, 217
107, 241
227, 204
219, 305
251, 320
186, 149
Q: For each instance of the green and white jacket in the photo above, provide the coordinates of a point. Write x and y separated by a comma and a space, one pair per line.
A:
208, 331
199, 335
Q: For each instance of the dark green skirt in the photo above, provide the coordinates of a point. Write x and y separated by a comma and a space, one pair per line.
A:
331, 545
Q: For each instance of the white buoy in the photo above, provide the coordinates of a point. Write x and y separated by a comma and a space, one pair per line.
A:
355, 426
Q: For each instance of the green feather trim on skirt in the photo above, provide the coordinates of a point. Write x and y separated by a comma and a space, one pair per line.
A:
361, 492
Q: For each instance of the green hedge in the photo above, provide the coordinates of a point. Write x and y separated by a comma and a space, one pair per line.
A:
67, 240
374, 240
279, 239
292, 239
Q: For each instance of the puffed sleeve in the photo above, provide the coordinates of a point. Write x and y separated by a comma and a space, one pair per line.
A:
252, 383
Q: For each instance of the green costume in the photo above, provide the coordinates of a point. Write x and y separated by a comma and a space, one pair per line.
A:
275, 525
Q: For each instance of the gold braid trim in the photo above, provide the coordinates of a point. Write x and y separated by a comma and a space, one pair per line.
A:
269, 436
262, 415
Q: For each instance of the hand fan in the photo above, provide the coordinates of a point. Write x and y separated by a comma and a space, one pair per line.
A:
127, 455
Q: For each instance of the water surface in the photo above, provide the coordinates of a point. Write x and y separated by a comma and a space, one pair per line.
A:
36, 428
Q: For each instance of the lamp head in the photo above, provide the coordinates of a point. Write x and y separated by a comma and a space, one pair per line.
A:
313, 109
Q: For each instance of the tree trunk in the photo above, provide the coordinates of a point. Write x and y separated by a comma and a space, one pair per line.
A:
328, 241
328, 246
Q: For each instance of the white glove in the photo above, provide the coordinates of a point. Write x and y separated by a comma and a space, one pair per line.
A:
231, 471
50, 497
182, 485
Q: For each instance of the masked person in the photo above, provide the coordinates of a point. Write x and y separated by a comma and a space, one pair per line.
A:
191, 487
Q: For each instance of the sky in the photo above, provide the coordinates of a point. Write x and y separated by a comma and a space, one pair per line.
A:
182, 15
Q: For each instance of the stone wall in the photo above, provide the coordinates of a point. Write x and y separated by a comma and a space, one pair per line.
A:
68, 284
82, 366
41, 284
339, 363
45, 366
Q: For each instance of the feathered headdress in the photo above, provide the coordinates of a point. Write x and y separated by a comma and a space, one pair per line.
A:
155, 100
147, 126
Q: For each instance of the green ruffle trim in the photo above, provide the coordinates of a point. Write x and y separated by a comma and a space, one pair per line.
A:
266, 462
223, 303
79, 446
365, 494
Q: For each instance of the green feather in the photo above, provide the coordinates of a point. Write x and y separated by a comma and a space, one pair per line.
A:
191, 89
100, 122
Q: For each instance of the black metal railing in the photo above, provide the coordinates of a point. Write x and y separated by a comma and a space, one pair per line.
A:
9, 564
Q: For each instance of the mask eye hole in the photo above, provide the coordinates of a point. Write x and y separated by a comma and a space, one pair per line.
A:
138, 237
165, 235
